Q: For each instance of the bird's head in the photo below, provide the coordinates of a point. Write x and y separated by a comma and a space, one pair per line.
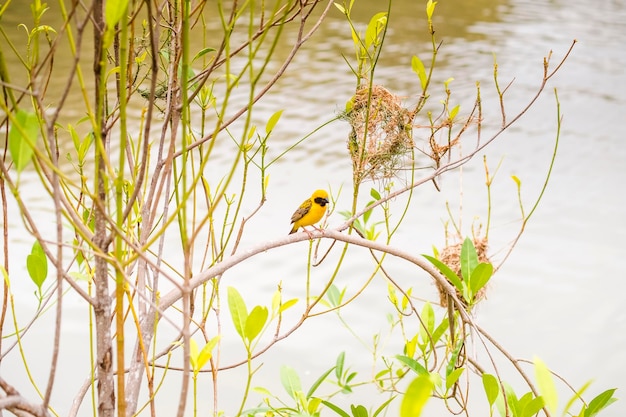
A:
320, 197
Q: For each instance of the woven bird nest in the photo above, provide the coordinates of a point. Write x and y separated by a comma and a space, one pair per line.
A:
381, 133
451, 256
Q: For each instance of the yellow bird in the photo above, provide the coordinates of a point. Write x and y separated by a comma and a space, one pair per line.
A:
311, 211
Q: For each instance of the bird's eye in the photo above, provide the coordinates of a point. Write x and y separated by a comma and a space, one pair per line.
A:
321, 201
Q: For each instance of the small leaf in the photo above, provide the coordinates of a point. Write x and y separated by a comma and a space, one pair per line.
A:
374, 28
416, 396
290, 380
440, 330
517, 180
409, 346
454, 357
445, 270
339, 365
532, 407
430, 8
453, 376
335, 408
202, 52
414, 365
271, 123
511, 401
577, 396
314, 404
287, 304
276, 300
418, 68
391, 293
546, 385
255, 322
340, 8
469, 259
428, 320
318, 382
207, 352
375, 194
480, 276
113, 11
492, 388
238, 311
383, 406
454, 111
358, 411
600, 402
193, 355
368, 213
23, 135
334, 296
37, 265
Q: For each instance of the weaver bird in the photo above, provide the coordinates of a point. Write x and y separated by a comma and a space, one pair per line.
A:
311, 211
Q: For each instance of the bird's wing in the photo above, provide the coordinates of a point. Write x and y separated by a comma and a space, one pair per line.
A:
302, 211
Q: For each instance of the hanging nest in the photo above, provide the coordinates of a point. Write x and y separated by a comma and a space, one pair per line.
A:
381, 133
451, 256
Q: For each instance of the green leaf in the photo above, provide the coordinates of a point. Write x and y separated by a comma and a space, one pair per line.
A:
289, 303
454, 111
314, 404
374, 28
445, 270
383, 406
335, 296
414, 365
238, 311
335, 408
430, 8
202, 52
318, 382
358, 411
454, 357
418, 68
375, 194
480, 276
453, 376
409, 346
428, 320
600, 402
113, 12
271, 123
207, 352
440, 330
339, 365
546, 385
576, 397
532, 406
255, 322
193, 355
511, 401
340, 8
492, 388
290, 380
416, 396
368, 213
469, 259
23, 135
37, 265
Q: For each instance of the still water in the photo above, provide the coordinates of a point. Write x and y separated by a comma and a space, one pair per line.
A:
560, 295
